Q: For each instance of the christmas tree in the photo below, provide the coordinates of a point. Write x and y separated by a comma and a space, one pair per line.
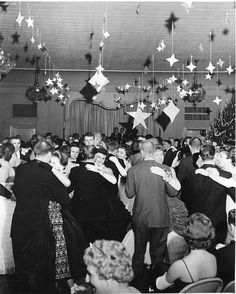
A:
222, 130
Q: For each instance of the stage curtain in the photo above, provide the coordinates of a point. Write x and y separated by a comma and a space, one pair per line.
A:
85, 117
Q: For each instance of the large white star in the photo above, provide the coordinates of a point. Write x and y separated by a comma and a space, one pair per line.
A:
229, 69
30, 22
220, 62
19, 18
139, 117
191, 66
210, 67
217, 100
172, 59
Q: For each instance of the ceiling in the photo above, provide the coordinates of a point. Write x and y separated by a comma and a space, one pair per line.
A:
70, 30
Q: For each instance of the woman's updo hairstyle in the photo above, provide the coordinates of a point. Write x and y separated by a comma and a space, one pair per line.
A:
6, 151
198, 232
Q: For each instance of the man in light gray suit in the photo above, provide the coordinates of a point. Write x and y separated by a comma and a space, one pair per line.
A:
150, 211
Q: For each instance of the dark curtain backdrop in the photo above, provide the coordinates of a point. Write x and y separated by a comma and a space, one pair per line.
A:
86, 117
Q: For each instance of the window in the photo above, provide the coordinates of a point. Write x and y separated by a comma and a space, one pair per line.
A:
197, 113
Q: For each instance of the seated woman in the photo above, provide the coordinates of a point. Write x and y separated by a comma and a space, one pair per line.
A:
199, 263
109, 268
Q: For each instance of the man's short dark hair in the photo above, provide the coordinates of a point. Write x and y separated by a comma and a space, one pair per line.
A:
207, 152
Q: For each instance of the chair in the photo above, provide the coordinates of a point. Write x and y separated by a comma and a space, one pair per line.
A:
230, 287
211, 285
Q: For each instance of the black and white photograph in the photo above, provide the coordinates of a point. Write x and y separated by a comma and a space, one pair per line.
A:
117, 147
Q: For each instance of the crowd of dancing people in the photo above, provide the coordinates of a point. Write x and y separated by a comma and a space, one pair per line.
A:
115, 214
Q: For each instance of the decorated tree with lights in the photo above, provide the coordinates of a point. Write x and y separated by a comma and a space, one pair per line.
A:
222, 130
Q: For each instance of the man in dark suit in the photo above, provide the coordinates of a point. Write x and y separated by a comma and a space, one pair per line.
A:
21, 153
207, 196
32, 239
225, 256
150, 211
169, 153
187, 168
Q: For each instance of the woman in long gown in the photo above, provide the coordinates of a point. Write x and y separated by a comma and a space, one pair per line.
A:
7, 206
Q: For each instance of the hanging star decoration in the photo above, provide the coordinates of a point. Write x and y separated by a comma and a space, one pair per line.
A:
227, 18
225, 31
138, 9
19, 18
147, 62
39, 46
106, 34
43, 48
191, 66
141, 105
30, 22
229, 69
210, 67
88, 57
201, 49
208, 76
99, 68
172, 60
32, 40
15, 38
185, 82
1, 38
220, 62
17, 57
139, 117
161, 46
171, 20
4, 6
187, 5
33, 60
26, 47
212, 36
218, 82
153, 105
217, 100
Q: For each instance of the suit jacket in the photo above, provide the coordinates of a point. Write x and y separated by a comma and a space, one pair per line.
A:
209, 197
226, 263
185, 175
34, 186
150, 204
91, 194
169, 157
32, 237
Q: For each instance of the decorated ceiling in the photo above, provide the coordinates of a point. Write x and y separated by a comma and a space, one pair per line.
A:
72, 34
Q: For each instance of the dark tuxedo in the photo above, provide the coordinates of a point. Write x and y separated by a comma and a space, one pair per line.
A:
185, 175
32, 239
209, 197
226, 263
169, 157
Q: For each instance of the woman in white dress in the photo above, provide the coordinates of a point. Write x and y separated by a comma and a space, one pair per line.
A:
7, 206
